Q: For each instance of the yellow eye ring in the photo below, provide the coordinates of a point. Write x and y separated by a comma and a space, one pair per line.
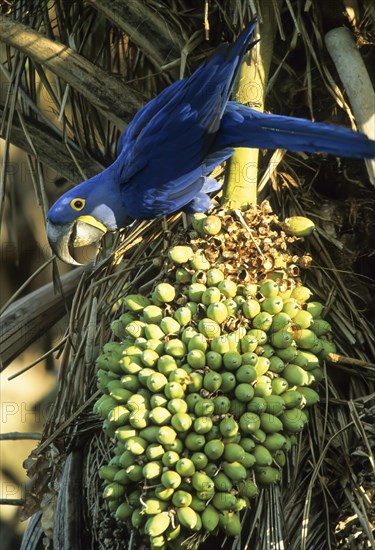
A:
78, 204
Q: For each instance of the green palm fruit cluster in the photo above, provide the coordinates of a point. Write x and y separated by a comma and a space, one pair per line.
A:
209, 380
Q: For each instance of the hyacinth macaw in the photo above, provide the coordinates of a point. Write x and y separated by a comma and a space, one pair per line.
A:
174, 142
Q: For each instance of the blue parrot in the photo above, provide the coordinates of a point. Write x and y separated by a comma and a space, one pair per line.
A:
167, 152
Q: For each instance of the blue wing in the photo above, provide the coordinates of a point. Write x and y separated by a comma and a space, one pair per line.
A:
165, 151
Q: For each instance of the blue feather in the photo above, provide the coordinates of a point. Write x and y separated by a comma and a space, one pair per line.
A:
177, 139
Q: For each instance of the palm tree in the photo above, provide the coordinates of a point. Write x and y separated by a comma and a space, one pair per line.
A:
74, 75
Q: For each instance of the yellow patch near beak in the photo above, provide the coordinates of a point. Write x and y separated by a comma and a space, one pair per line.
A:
90, 220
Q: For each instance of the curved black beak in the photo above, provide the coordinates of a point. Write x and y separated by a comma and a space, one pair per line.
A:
64, 238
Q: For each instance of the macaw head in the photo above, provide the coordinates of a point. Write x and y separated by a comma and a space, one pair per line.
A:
83, 214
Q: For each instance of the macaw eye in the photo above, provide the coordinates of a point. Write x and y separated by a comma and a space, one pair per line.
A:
78, 204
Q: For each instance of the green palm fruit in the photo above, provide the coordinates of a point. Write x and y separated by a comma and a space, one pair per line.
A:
320, 327
181, 422
232, 524
152, 314
222, 482
228, 427
291, 307
166, 435
171, 479
214, 449
195, 382
157, 524
274, 442
315, 308
169, 325
202, 424
164, 493
249, 422
246, 374
177, 406
136, 302
139, 419
209, 328
210, 519
164, 293
250, 308
214, 360
298, 226
204, 407
281, 339
257, 405
232, 360
158, 543
280, 458
231, 306
244, 392
152, 470
153, 506
269, 288
199, 262
138, 519
158, 400
233, 452
182, 275
119, 415
181, 498
277, 365
259, 436
179, 375
301, 294
183, 316
248, 461
118, 328
134, 472
121, 395
224, 501
287, 354
274, 404
108, 472
281, 321
180, 254
270, 423
303, 319
295, 375
123, 512
174, 390
187, 517
170, 458
198, 504
211, 225
262, 365
154, 451
262, 386
228, 288
305, 338
234, 470
262, 321
267, 475
192, 399
149, 434
175, 347
156, 382
221, 404
201, 481
166, 364
249, 358
272, 305
194, 442
220, 344
125, 432
262, 456
217, 312
327, 347
153, 331
185, 467
214, 277
135, 444
159, 416
260, 336
228, 381
198, 342
292, 399
197, 219
293, 420
306, 360
136, 329
267, 351
279, 385
195, 292
248, 489
199, 460
310, 396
